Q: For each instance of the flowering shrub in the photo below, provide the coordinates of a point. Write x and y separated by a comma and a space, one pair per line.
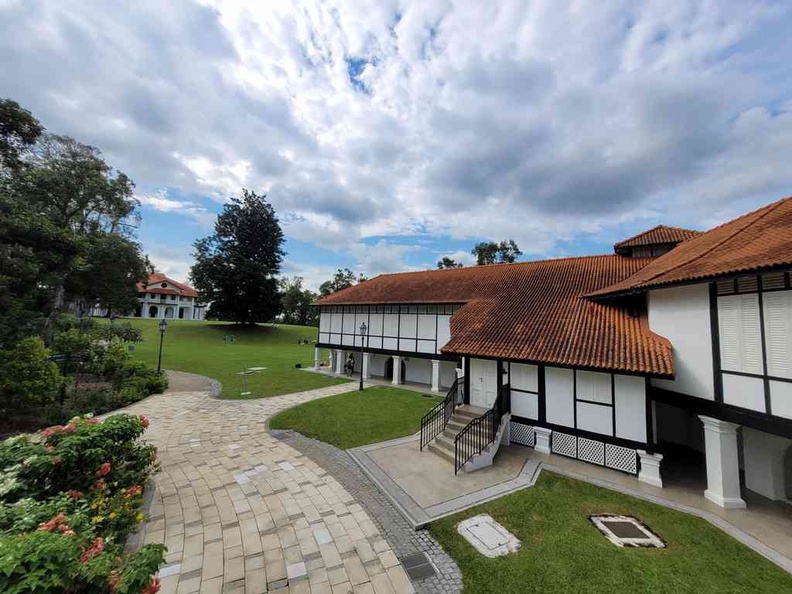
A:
69, 496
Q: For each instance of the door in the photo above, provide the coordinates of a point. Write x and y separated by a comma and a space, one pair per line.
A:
483, 383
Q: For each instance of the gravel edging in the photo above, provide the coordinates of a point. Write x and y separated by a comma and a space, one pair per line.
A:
395, 528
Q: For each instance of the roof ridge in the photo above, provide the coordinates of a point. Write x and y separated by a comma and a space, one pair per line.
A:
655, 228
506, 264
767, 208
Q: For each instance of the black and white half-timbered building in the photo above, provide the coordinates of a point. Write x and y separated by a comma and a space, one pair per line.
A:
676, 346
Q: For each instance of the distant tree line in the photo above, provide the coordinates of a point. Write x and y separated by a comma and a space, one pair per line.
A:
487, 252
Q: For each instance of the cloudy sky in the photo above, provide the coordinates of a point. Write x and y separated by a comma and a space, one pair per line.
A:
389, 133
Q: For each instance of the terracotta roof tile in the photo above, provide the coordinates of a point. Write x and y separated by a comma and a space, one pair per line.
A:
759, 240
657, 235
158, 277
531, 311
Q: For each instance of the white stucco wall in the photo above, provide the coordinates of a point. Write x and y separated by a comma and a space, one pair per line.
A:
418, 370
682, 315
630, 401
559, 396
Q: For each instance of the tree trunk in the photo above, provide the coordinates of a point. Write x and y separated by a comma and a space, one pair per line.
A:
57, 304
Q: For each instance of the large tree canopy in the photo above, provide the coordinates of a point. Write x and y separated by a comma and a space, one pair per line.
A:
64, 227
235, 268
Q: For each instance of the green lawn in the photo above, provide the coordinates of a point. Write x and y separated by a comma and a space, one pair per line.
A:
358, 418
198, 347
563, 552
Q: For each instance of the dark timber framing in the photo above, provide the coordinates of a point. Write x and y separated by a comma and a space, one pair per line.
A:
726, 287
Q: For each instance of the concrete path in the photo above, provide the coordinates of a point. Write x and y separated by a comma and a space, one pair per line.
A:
241, 511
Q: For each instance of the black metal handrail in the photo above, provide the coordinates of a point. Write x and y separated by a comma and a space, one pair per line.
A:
481, 431
434, 422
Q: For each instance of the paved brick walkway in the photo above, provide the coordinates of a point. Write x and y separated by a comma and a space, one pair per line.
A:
391, 523
241, 511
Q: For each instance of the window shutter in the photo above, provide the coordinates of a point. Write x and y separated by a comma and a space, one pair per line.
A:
751, 335
778, 328
729, 333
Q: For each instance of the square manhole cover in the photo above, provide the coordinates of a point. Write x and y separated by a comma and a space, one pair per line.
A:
418, 566
487, 536
626, 531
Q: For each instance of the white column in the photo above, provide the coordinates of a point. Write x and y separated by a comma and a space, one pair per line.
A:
650, 468
542, 440
317, 358
366, 366
144, 309
763, 455
339, 361
435, 375
723, 470
397, 378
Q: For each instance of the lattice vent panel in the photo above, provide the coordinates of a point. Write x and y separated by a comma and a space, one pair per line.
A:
621, 458
522, 434
564, 444
591, 451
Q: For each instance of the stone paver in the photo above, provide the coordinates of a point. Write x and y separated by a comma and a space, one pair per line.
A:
242, 511
399, 539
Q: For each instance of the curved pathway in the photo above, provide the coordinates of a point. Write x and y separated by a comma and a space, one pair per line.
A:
241, 511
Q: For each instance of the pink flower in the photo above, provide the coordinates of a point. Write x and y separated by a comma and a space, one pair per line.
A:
75, 494
50, 431
134, 491
97, 546
49, 447
153, 456
104, 470
69, 428
92, 421
56, 460
152, 588
54, 523
98, 485
144, 421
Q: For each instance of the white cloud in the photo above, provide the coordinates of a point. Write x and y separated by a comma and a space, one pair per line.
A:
540, 122
160, 201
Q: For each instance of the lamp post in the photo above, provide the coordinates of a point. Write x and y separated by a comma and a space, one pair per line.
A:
362, 335
162, 326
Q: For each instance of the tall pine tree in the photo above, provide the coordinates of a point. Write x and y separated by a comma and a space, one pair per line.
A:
235, 268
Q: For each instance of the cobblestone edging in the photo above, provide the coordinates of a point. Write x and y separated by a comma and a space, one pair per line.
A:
396, 530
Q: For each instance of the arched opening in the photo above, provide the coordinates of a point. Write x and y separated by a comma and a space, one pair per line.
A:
181, 313
153, 311
169, 312
389, 369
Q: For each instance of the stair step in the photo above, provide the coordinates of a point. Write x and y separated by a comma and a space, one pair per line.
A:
441, 452
445, 442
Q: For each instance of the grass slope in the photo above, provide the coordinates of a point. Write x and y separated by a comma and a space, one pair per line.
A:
563, 552
198, 347
358, 418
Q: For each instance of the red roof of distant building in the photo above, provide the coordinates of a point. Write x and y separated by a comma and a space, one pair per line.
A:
158, 278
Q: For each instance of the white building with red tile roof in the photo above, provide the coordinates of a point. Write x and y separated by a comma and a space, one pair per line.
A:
165, 298
676, 347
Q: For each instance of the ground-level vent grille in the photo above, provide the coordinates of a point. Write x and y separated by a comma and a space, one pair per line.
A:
522, 434
591, 451
621, 458
564, 444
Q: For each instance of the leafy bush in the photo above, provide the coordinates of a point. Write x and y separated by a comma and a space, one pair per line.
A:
69, 496
27, 377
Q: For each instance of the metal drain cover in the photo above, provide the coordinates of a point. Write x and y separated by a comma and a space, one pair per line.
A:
418, 566
626, 531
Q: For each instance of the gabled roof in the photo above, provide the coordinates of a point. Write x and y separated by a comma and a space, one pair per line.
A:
659, 235
158, 278
759, 240
531, 311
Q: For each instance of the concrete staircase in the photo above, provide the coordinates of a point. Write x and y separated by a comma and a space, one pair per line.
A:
443, 444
